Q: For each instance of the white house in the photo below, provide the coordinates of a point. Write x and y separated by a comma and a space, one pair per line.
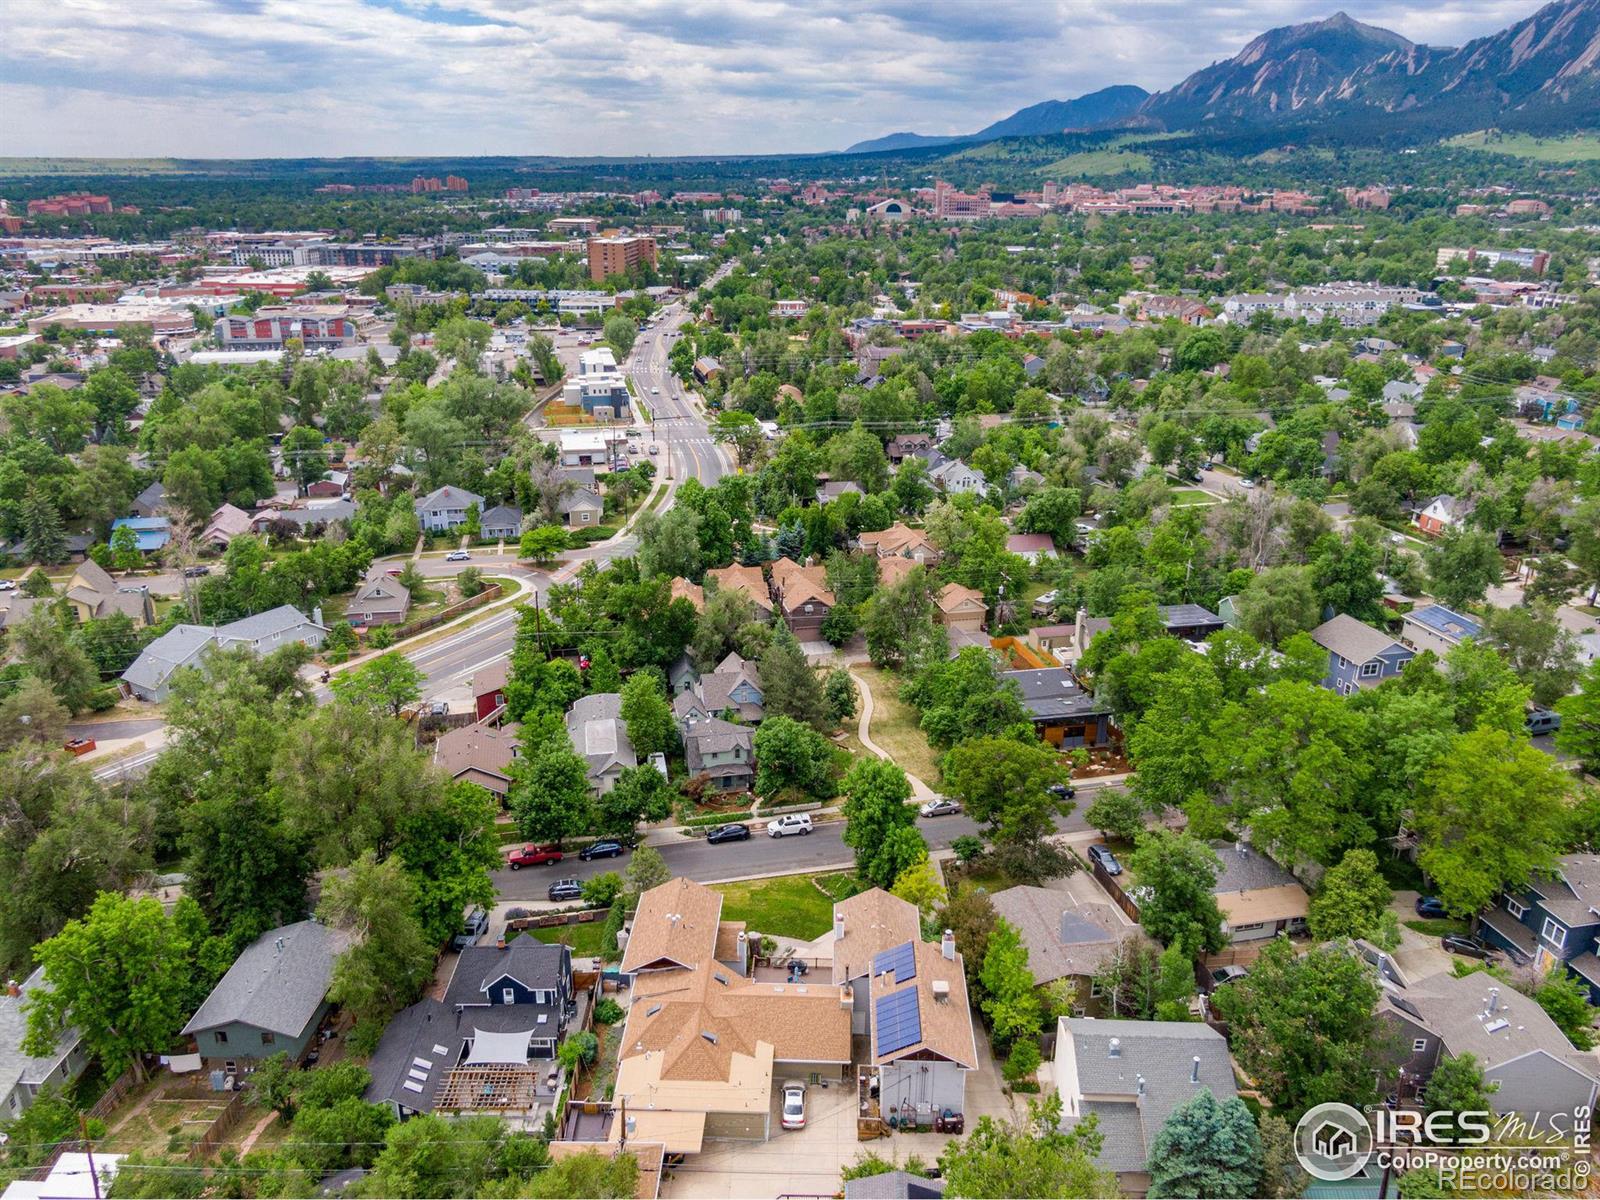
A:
445, 508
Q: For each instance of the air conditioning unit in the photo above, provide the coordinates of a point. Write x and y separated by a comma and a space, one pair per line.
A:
941, 990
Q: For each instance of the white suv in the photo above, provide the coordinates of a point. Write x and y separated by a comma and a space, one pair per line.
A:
792, 823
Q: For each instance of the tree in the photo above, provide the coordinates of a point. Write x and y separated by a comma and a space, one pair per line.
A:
303, 451
1116, 813
641, 793
1462, 564
272, 1084
1281, 1176
1351, 900
542, 543
1003, 783
789, 685
1345, 576
431, 1156
43, 533
384, 684
389, 958
1456, 1086
645, 870
1566, 999
595, 1173
1179, 871
876, 812
448, 848
125, 549
1305, 1027
549, 795
1027, 1157
919, 884
1175, 986
792, 755
119, 976
1579, 734
839, 692
30, 712
43, 646
741, 431
1537, 647
1011, 1001
651, 726
1170, 742
1488, 815
620, 332
1206, 1149
970, 915
1277, 603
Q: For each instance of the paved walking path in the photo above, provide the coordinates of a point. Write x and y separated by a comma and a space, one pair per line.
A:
920, 791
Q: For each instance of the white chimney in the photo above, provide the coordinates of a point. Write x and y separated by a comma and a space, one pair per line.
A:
1141, 1085
838, 925
1194, 1070
947, 945
1115, 1049
1494, 999
316, 615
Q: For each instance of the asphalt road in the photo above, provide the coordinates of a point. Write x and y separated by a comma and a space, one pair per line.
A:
821, 850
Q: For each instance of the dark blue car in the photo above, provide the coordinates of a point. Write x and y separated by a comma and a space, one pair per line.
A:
1430, 906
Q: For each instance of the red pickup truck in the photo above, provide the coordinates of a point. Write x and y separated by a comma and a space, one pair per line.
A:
532, 856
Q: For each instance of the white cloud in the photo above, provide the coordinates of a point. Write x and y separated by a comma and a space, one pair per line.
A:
240, 78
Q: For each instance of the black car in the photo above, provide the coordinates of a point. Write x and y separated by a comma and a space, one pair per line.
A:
606, 849
1469, 946
1107, 860
729, 833
196, 572
1065, 790
565, 889
1430, 906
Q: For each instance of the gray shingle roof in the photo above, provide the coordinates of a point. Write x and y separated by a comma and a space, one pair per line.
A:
178, 647
893, 1185
448, 497
1245, 869
278, 982
1063, 937
15, 1066
263, 624
502, 516
1352, 639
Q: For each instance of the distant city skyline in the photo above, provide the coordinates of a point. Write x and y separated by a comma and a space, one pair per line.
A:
459, 78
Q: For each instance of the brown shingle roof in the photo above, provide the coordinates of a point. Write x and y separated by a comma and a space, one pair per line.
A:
946, 1023
952, 598
682, 589
492, 678
897, 539
677, 923
476, 748
748, 580
873, 921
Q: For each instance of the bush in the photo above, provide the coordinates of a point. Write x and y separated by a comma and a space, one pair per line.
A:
381, 638
601, 890
608, 1012
967, 847
1023, 1060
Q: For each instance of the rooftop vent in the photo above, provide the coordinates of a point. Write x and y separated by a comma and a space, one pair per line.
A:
1114, 1050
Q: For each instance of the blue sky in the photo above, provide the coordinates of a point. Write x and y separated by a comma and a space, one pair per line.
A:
276, 78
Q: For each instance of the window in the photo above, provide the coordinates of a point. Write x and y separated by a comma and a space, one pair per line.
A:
1419, 1046
1371, 670
508, 995
267, 1038
1553, 933
1247, 928
222, 1037
1095, 991
1342, 661
1516, 910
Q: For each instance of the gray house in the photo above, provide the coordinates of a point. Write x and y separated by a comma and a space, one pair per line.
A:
150, 676
380, 601
445, 508
1132, 1075
22, 1076
274, 996
1359, 656
581, 508
502, 521
598, 734
721, 751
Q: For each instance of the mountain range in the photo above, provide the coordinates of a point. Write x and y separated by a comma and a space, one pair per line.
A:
1339, 79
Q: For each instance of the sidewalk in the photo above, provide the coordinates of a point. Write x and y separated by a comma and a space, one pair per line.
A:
920, 791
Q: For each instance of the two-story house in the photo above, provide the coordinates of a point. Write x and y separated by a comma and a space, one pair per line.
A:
24, 1076
1359, 656
445, 508
1554, 921
1443, 513
803, 597
1437, 628
600, 736
733, 689
719, 750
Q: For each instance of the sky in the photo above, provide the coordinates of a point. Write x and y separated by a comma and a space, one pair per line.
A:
316, 78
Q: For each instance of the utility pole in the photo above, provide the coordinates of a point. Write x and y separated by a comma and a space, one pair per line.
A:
88, 1150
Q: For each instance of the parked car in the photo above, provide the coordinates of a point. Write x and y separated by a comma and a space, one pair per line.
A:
655, 391
607, 848
1065, 790
728, 833
1247, 483
395, 571
1225, 975
791, 823
654, 449
940, 806
195, 572
1106, 860
1430, 906
1542, 720
1469, 946
472, 927
458, 556
794, 1104
532, 856
565, 889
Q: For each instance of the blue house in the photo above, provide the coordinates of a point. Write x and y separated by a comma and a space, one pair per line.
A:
1554, 920
1359, 656
152, 532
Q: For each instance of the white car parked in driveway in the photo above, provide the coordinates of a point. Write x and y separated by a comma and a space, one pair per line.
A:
790, 823
794, 1104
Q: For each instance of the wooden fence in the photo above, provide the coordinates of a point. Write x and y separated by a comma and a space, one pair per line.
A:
230, 1116
1114, 889
411, 629
120, 1087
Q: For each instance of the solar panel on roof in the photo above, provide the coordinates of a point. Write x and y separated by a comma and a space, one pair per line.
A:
897, 1022
901, 959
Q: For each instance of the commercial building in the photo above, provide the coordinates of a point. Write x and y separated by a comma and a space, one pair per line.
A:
163, 319
610, 256
317, 326
598, 387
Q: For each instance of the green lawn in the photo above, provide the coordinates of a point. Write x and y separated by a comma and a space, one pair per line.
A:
895, 728
792, 906
1185, 496
584, 939
1438, 926
1578, 147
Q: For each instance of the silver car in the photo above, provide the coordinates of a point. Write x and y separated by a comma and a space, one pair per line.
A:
794, 1104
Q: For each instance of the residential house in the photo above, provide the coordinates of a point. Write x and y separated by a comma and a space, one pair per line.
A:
1033, 547
382, 600
956, 478
273, 998
489, 688
503, 521
320, 513
719, 750
1190, 622
224, 525
581, 508
1359, 656
682, 589
831, 490
335, 483
733, 689
1132, 1075
267, 631
150, 533
899, 541
490, 1043
445, 508
909, 998
1554, 921
1437, 628
749, 581
150, 501
910, 445
92, 594
803, 597
599, 735
1066, 938
150, 676
479, 754
1442, 513
893, 1185
962, 608
706, 369
1063, 713
707, 1039
1539, 1075
24, 1076
1258, 898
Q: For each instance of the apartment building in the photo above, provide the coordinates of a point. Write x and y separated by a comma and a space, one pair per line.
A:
318, 326
610, 256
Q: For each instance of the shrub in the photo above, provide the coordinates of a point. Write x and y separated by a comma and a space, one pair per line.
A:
601, 890
608, 1012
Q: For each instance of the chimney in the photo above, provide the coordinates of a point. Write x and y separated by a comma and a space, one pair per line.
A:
279, 944
838, 925
500, 942
1141, 1085
1077, 629
1194, 1070
13, 988
1494, 999
1115, 1049
316, 615
947, 945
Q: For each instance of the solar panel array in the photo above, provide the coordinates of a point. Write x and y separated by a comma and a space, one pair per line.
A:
901, 959
897, 1021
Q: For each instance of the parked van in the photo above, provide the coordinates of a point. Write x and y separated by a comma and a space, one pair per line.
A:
1542, 720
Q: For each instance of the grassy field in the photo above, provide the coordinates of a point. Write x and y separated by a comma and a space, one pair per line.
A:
792, 906
1438, 926
1099, 162
584, 939
894, 726
1577, 147
1185, 496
